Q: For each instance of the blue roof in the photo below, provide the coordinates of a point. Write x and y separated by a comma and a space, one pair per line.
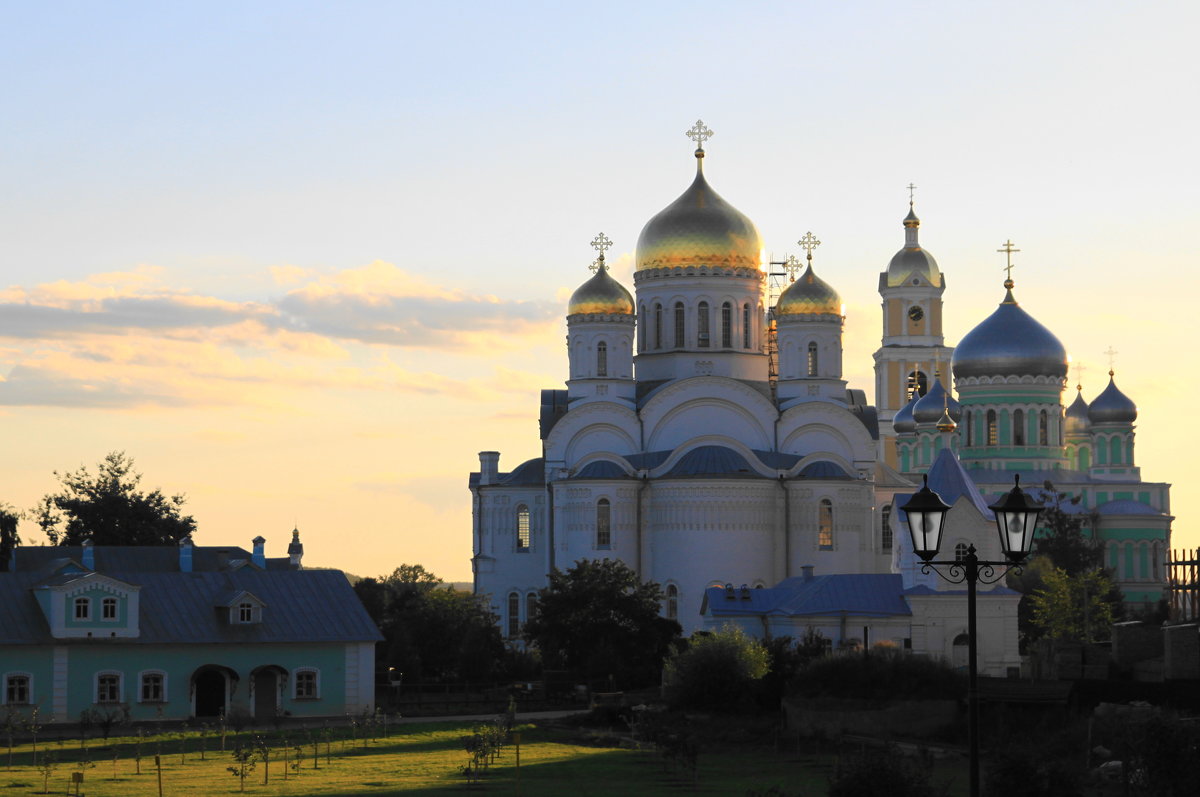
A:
950, 480
713, 461
1128, 507
824, 470
602, 469
858, 594
530, 473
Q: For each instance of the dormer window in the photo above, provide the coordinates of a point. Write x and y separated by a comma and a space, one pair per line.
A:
108, 609
83, 609
245, 612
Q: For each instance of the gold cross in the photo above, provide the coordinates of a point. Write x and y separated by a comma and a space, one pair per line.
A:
699, 133
1112, 353
600, 243
792, 266
808, 243
1008, 250
911, 188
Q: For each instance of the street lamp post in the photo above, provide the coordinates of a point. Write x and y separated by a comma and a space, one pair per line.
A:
1016, 519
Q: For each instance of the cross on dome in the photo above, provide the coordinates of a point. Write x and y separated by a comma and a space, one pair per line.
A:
699, 133
600, 243
1008, 250
809, 242
911, 188
791, 266
1079, 375
1112, 358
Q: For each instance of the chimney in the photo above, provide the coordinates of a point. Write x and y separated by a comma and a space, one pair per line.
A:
223, 559
489, 467
185, 554
89, 555
295, 551
807, 571
259, 557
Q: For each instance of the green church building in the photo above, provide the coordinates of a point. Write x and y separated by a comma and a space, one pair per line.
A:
175, 633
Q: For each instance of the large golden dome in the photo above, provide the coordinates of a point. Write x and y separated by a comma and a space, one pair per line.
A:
809, 295
699, 229
601, 294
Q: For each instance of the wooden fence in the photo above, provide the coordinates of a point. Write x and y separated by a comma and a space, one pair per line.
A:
1183, 584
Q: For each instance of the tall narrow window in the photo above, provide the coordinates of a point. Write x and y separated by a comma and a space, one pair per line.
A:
601, 359
726, 322
603, 523
825, 525
680, 341
991, 427
641, 328
522, 528
514, 614
812, 358
672, 602
960, 552
886, 538
83, 609
530, 606
917, 383
967, 421
1043, 429
746, 339
658, 336
1018, 430
702, 338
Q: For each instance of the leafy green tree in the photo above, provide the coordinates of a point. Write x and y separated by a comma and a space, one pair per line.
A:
9, 538
1075, 607
1067, 538
108, 508
600, 621
716, 671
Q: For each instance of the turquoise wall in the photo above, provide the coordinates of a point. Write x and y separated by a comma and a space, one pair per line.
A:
95, 624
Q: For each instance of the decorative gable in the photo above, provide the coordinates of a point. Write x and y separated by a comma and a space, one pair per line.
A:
243, 607
85, 604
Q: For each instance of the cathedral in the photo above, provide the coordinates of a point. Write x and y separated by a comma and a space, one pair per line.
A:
707, 439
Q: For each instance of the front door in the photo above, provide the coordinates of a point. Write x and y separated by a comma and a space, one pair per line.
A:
210, 693
266, 695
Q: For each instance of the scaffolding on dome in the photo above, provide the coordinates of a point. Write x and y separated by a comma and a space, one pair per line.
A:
777, 282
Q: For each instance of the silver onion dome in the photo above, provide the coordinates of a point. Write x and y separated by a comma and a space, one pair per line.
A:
903, 422
1112, 406
1009, 342
1077, 421
930, 406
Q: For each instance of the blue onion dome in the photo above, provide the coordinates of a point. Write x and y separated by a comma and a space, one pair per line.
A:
1112, 406
809, 295
912, 262
1009, 342
935, 401
1077, 421
601, 294
902, 421
699, 229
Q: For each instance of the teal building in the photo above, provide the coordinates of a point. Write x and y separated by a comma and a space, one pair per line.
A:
176, 633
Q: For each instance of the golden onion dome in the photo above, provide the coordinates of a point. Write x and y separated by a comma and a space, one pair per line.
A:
912, 262
699, 229
601, 294
809, 295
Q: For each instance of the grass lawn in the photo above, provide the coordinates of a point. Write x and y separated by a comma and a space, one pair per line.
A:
428, 759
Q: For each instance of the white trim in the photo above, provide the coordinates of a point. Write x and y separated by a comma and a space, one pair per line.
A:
116, 604
86, 603
29, 687
96, 687
296, 683
140, 683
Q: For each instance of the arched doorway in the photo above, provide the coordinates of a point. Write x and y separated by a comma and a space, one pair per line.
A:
211, 686
961, 654
266, 687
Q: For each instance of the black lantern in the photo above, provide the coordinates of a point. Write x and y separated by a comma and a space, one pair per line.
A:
926, 512
1016, 519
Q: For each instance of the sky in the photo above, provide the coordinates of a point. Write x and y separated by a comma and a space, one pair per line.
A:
303, 261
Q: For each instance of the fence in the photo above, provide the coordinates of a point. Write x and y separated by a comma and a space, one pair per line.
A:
1183, 584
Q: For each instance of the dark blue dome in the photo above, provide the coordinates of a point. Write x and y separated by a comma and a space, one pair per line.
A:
930, 406
1077, 416
903, 421
1010, 342
1112, 406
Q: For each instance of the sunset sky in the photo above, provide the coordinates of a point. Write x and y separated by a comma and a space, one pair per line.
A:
303, 261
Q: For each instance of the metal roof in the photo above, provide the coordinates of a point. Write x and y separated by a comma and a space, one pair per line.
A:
857, 594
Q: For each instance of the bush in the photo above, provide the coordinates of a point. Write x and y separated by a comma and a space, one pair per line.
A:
716, 671
868, 773
881, 676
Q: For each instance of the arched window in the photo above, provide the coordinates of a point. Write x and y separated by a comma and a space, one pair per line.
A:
1128, 570
726, 323
960, 552
825, 525
1156, 561
514, 614
1018, 428
522, 527
812, 358
991, 427
530, 606
672, 602
1114, 449
886, 538
641, 328
680, 342
747, 341
603, 523
967, 421
917, 383
658, 336
702, 325
1043, 429
601, 359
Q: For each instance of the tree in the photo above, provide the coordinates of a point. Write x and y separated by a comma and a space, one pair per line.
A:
1076, 607
598, 620
1066, 537
431, 631
716, 671
9, 538
109, 509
